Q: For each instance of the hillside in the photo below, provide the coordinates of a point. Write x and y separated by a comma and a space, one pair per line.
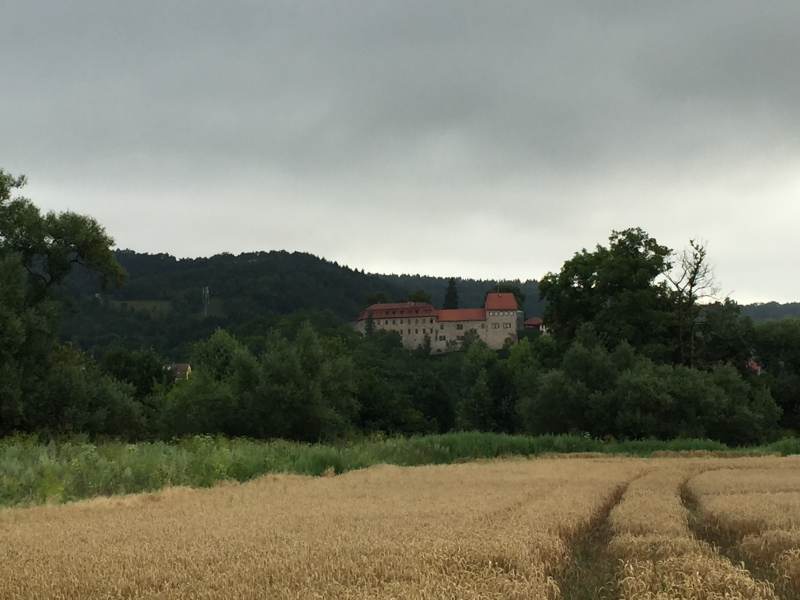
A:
162, 303
772, 310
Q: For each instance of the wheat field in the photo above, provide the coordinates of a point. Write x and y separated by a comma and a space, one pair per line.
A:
550, 528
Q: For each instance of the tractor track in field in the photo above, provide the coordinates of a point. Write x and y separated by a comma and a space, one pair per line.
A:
592, 572
724, 545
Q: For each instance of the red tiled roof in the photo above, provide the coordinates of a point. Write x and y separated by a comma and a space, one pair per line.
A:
462, 314
533, 322
398, 305
398, 309
501, 301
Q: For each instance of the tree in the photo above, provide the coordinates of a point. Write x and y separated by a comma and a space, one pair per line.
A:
749, 414
777, 347
476, 411
420, 296
308, 387
37, 252
217, 355
49, 245
143, 369
74, 396
723, 335
693, 281
377, 298
451, 295
619, 289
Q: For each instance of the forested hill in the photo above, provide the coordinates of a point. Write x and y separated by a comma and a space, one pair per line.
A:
772, 310
162, 303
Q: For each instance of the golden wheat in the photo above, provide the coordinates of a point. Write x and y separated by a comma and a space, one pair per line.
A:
660, 557
489, 530
500, 529
757, 512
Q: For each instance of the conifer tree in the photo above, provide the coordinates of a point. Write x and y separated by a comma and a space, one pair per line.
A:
451, 296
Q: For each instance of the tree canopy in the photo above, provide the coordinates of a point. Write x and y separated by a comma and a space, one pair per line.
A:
43, 385
620, 289
635, 351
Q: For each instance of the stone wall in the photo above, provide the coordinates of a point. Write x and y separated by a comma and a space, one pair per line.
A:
446, 336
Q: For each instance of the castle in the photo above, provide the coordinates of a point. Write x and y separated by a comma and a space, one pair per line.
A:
499, 321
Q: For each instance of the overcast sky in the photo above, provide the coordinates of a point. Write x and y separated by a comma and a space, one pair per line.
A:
485, 139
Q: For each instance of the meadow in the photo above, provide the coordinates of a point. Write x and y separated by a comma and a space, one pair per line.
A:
555, 527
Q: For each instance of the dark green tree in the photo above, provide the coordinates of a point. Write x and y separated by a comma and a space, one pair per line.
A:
420, 296
723, 334
476, 410
619, 289
777, 350
49, 245
143, 369
451, 295
377, 298
37, 252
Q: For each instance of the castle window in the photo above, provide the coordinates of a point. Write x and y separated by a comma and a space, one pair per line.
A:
460, 326
442, 338
506, 325
441, 326
483, 325
416, 331
495, 325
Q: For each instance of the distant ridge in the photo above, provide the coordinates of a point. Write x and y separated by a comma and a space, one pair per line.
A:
163, 303
764, 311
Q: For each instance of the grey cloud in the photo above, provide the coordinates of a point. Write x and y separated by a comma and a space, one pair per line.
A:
551, 122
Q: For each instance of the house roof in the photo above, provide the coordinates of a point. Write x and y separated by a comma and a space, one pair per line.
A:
393, 310
533, 322
462, 314
501, 301
389, 310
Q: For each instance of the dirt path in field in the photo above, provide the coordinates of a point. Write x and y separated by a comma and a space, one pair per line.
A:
592, 573
725, 545
594, 570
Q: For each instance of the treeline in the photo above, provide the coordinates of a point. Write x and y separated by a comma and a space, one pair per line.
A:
764, 311
299, 384
636, 350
